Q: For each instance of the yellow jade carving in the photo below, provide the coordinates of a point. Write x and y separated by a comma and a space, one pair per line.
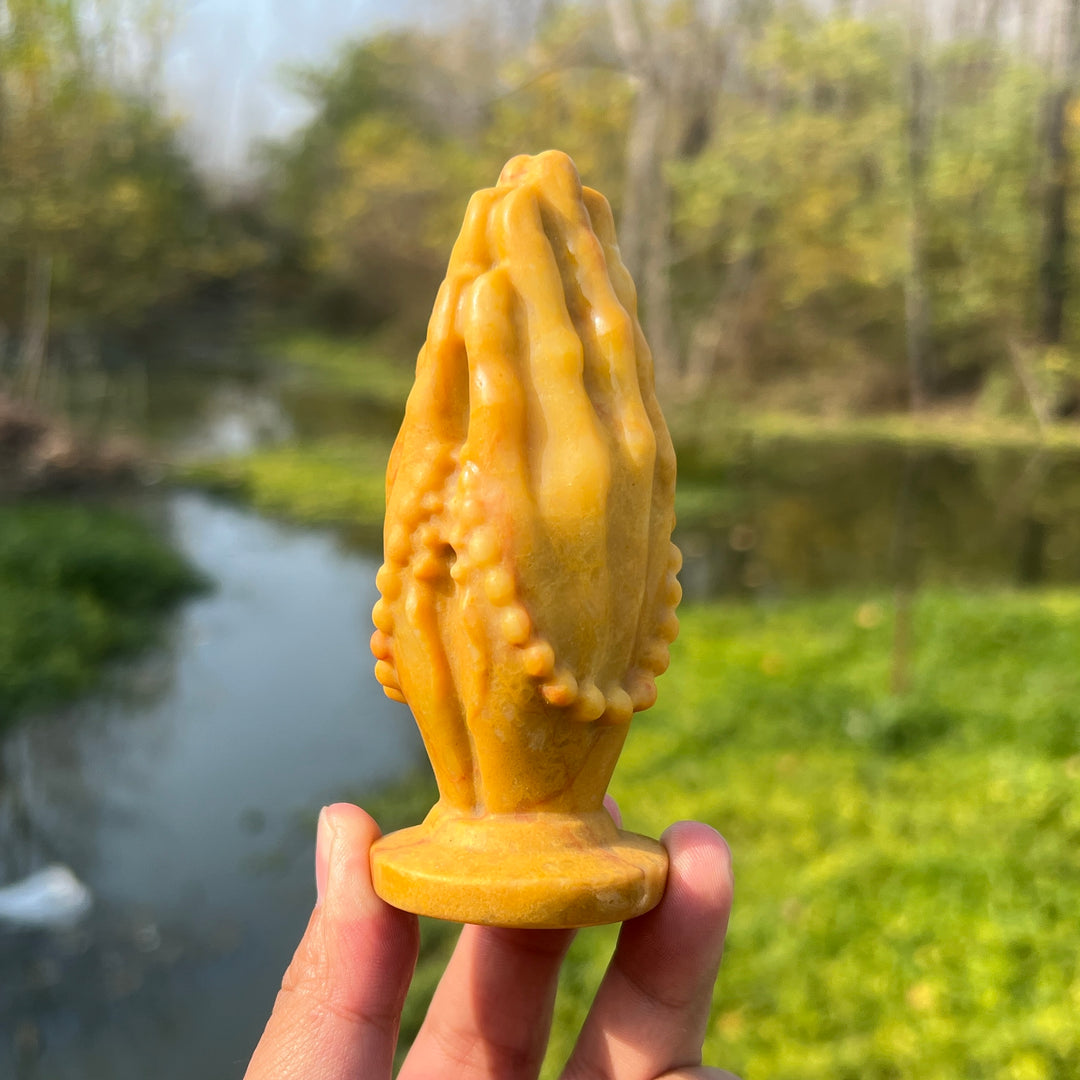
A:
529, 586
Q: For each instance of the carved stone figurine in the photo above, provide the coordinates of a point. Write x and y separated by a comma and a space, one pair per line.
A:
529, 584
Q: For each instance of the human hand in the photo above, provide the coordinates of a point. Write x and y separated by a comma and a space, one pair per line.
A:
337, 1014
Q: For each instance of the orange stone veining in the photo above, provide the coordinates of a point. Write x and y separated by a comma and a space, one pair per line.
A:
529, 586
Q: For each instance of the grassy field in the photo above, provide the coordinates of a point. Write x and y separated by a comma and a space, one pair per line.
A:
78, 586
907, 866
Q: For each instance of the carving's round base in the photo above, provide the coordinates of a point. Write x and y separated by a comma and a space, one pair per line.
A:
525, 870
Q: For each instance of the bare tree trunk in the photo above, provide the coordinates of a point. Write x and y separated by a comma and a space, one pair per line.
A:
1054, 282
1054, 264
707, 339
916, 293
654, 226
35, 335
645, 227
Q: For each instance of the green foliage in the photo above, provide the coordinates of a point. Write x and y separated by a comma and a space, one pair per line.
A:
906, 876
345, 365
372, 193
92, 180
77, 586
331, 482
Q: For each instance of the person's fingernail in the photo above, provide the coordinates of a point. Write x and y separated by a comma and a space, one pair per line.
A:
323, 843
612, 808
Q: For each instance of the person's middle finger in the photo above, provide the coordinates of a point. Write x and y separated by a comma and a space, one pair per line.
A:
491, 1014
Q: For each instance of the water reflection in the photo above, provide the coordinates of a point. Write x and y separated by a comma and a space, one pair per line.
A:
787, 517
186, 803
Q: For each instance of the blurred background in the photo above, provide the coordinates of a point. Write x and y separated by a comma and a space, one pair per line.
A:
853, 228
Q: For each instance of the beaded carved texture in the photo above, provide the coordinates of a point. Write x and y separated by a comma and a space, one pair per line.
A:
530, 491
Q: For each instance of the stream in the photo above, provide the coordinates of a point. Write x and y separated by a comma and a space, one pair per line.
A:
185, 798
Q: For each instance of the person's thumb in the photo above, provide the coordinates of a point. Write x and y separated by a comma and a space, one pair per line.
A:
340, 1003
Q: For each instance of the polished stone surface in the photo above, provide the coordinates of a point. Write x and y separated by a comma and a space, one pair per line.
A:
529, 586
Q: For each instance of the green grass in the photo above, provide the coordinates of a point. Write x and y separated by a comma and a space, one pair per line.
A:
907, 868
962, 430
78, 586
328, 482
363, 366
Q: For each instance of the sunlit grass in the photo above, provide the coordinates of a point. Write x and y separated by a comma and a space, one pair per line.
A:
931, 429
363, 366
907, 872
328, 482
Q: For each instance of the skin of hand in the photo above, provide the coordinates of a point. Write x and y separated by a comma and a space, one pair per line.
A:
339, 1008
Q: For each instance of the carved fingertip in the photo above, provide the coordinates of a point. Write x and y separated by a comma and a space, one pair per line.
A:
517, 626
620, 706
514, 169
642, 691
669, 627
382, 616
656, 658
673, 591
385, 673
499, 586
676, 559
540, 660
483, 546
590, 704
380, 646
561, 691
388, 582
394, 695
472, 512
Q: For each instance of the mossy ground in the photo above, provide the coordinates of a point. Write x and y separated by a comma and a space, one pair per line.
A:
906, 866
78, 586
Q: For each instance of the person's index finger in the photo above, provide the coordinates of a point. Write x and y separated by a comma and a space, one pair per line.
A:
337, 1014
651, 1010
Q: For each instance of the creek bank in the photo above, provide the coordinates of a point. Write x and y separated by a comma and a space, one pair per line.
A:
80, 584
40, 454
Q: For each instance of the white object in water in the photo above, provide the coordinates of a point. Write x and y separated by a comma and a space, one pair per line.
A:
52, 897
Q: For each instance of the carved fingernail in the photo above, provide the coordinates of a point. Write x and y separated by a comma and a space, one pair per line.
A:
380, 645
642, 691
562, 690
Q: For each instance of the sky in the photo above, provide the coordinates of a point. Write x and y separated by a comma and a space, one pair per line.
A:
223, 66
